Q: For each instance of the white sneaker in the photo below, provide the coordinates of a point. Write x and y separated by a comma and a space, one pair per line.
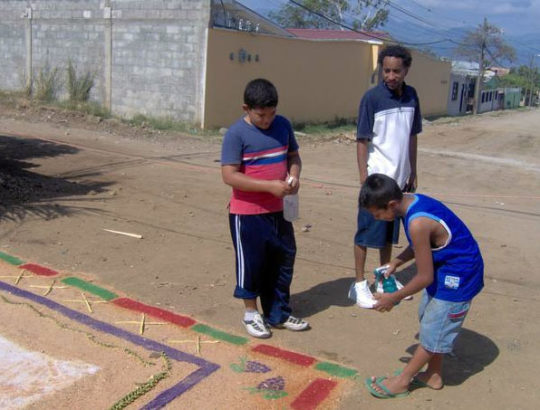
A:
359, 292
398, 284
256, 327
294, 323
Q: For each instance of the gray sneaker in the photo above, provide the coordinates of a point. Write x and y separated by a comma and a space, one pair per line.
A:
294, 323
257, 327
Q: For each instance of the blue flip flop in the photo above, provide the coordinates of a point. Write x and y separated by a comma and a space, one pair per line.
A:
385, 394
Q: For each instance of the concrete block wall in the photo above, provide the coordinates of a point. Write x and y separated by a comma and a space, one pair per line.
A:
169, 69
12, 45
64, 31
148, 56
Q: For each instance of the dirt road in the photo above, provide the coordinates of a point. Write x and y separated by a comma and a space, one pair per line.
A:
168, 189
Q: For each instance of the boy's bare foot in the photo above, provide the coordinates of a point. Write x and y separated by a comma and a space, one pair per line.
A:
388, 387
423, 379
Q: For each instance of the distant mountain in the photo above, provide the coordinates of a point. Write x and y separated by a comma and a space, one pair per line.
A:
418, 36
526, 45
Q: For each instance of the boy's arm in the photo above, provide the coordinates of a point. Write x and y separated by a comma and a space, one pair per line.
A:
402, 258
232, 176
420, 233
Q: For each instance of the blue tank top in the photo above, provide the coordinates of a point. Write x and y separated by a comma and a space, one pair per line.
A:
458, 265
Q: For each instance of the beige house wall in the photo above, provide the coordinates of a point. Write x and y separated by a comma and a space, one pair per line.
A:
431, 79
317, 81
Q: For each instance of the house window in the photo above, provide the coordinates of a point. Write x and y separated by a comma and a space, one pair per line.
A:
483, 97
455, 86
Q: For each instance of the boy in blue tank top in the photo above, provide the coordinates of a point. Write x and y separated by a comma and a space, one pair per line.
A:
450, 269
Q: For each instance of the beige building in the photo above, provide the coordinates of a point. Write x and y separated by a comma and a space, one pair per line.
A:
318, 80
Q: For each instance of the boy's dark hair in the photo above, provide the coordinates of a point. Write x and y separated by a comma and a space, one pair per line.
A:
260, 93
398, 52
377, 191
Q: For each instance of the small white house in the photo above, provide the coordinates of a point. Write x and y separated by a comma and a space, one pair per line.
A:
461, 93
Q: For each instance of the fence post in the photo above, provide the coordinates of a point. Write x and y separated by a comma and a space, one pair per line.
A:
107, 15
28, 38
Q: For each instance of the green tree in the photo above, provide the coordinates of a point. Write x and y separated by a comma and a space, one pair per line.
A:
369, 14
525, 77
486, 46
521, 77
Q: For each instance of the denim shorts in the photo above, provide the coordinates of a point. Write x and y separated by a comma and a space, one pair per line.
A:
440, 322
373, 233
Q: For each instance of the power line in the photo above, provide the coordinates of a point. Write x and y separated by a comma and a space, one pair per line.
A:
408, 13
403, 11
431, 11
358, 31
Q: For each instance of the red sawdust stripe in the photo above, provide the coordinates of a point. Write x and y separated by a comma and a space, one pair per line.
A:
182, 321
314, 394
38, 269
292, 357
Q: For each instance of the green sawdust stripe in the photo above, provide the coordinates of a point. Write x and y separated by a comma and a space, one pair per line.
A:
218, 334
11, 259
89, 287
336, 370
145, 387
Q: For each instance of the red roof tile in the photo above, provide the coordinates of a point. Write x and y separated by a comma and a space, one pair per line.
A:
320, 34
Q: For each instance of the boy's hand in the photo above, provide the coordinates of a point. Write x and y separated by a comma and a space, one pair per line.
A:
412, 183
280, 188
385, 301
390, 268
294, 183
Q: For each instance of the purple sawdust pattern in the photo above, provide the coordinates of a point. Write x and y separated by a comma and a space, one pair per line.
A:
249, 366
205, 368
271, 389
275, 383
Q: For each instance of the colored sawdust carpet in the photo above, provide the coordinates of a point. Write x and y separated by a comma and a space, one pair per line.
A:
89, 346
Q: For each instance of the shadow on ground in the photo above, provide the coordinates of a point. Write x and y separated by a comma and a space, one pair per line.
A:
24, 192
333, 293
472, 353
321, 296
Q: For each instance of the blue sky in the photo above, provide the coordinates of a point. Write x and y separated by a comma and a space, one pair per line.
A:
431, 20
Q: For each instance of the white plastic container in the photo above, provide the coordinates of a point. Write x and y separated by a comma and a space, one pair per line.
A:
290, 207
290, 204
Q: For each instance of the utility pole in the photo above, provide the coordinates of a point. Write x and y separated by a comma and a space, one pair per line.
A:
480, 77
533, 78
531, 74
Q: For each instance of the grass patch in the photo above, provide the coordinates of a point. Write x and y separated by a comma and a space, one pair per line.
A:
168, 124
18, 99
89, 108
79, 87
336, 126
11, 99
47, 83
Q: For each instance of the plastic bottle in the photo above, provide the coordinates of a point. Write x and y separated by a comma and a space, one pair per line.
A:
290, 205
389, 284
